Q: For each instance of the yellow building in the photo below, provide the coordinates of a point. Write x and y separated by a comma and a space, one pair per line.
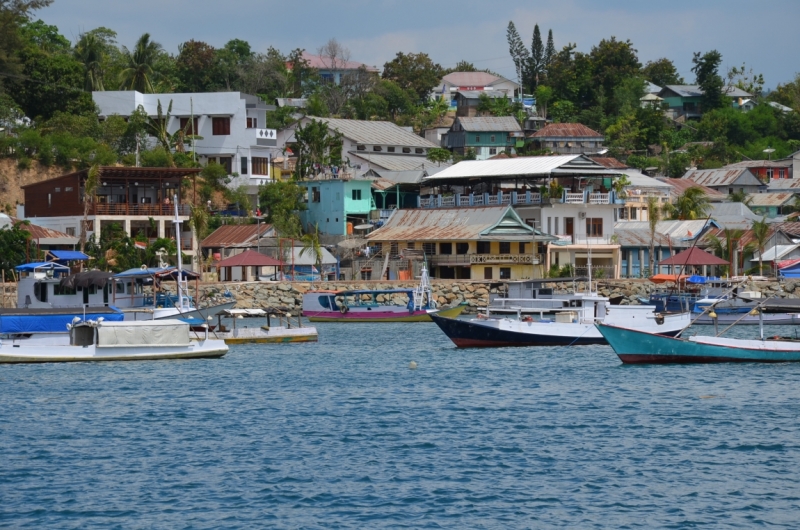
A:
471, 243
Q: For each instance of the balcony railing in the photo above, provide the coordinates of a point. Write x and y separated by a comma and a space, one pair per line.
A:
449, 260
148, 210
516, 198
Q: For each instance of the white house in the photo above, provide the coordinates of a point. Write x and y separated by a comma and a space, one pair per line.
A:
231, 126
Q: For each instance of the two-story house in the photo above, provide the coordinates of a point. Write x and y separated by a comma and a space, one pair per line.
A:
139, 200
567, 139
727, 180
334, 70
683, 101
487, 136
336, 205
231, 126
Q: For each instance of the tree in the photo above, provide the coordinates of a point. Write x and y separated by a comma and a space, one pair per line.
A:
89, 189
761, 233
612, 62
439, 155
415, 72
788, 93
312, 246
280, 201
690, 205
16, 246
653, 217
740, 196
13, 13
544, 94
519, 53
746, 80
537, 57
198, 221
316, 144
139, 73
726, 247
501, 106
706, 70
197, 67
549, 51
662, 72
90, 52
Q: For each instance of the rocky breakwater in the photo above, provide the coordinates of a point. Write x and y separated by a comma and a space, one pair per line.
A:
288, 296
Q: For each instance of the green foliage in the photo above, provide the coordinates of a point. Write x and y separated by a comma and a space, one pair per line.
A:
315, 143
415, 72
16, 247
498, 106
677, 165
197, 67
140, 72
280, 202
439, 155
562, 111
690, 205
662, 72
706, 70
788, 93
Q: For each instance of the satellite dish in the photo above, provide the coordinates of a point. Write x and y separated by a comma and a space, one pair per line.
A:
363, 227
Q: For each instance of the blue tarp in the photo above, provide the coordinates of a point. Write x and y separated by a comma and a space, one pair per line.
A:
792, 271
42, 265
48, 323
68, 255
702, 279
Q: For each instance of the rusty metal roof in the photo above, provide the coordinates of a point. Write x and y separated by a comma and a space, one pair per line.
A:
124, 172
495, 223
784, 184
46, 236
760, 163
566, 130
236, 235
489, 124
681, 185
770, 199
609, 162
722, 177
375, 132
791, 228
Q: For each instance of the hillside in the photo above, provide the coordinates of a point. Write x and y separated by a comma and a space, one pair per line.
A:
12, 179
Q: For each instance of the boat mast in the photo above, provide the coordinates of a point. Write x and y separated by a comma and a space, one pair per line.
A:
182, 284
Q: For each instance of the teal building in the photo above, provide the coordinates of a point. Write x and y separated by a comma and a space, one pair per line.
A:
487, 135
333, 203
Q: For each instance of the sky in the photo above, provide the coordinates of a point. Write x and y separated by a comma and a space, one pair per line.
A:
761, 35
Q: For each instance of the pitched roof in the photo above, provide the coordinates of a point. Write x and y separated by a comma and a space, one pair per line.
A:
609, 162
471, 79
760, 163
566, 130
248, 258
524, 166
722, 177
733, 215
770, 199
490, 124
47, 236
689, 91
496, 223
681, 185
235, 235
675, 229
476, 94
325, 63
784, 184
395, 162
694, 256
376, 132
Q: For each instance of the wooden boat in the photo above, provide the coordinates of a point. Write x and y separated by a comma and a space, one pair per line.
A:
279, 328
114, 341
570, 325
376, 305
636, 347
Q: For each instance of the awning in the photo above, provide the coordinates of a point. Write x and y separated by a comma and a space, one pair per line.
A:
68, 255
41, 266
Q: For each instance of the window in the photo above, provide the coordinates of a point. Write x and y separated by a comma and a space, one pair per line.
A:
377, 148
484, 247
487, 273
58, 190
633, 214
406, 149
49, 200
393, 249
252, 123
70, 231
69, 188
445, 248
594, 227
361, 148
315, 195
260, 165
419, 151
191, 130
356, 195
522, 246
623, 214
429, 249
220, 126
390, 149
492, 150
769, 173
491, 139
61, 290
505, 247
505, 273
244, 165
227, 163
462, 248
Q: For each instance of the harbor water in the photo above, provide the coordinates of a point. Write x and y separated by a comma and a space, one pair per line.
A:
345, 434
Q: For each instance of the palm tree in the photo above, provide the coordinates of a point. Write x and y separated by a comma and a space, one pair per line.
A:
726, 247
760, 236
653, 217
89, 51
139, 73
312, 245
691, 204
740, 196
89, 189
198, 220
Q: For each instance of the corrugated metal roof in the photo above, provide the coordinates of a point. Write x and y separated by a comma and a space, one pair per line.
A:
376, 132
523, 166
454, 224
566, 130
47, 236
394, 162
784, 184
770, 199
760, 163
471, 79
248, 258
681, 185
640, 237
674, 229
775, 253
325, 63
791, 228
490, 124
640, 180
235, 235
609, 162
693, 91
722, 177
402, 177
476, 94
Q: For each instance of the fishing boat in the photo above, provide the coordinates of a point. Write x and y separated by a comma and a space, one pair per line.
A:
633, 346
570, 325
376, 305
279, 328
100, 340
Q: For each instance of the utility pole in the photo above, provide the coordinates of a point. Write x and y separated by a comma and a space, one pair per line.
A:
194, 133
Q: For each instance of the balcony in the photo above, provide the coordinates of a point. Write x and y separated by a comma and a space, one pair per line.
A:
516, 198
465, 260
149, 210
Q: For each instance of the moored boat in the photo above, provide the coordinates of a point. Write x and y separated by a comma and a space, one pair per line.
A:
636, 347
279, 328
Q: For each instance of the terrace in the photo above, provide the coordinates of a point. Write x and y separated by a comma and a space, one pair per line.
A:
517, 198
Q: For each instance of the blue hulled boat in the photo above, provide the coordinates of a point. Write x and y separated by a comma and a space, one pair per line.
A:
636, 347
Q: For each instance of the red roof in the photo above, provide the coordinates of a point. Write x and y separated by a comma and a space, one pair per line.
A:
609, 162
249, 258
694, 256
566, 130
235, 235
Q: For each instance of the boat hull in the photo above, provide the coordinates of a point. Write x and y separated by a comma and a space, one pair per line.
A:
771, 319
635, 347
22, 353
364, 315
274, 335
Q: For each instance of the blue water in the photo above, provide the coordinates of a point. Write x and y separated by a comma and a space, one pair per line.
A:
342, 434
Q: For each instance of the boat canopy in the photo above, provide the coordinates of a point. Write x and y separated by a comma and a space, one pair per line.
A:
42, 266
52, 323
161, 274
68, 255
87, 279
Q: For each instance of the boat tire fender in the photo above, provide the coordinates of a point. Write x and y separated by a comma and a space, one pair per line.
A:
659, 319
344, 309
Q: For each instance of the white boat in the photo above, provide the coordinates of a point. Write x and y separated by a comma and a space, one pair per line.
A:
114, 341
279, 328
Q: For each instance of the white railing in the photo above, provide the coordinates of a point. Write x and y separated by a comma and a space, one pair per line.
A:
493, 201
536, 198
500, 258
478, 200
574, 198
506, 199
599, 198
425, 203
464, 199
449, 201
